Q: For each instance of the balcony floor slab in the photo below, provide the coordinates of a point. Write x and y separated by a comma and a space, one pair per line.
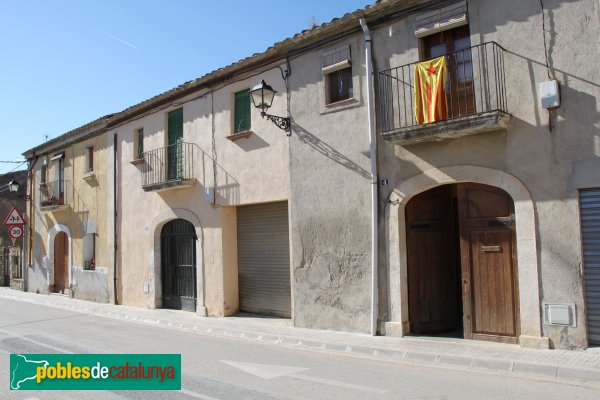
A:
449, 129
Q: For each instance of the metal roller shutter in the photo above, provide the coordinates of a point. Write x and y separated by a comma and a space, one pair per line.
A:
264, 259
589, 201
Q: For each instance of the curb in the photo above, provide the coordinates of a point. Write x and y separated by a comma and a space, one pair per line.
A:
522, 368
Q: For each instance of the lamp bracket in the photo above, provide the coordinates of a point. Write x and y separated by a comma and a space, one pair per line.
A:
281, 122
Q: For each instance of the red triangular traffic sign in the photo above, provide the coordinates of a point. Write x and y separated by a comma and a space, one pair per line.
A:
14, 217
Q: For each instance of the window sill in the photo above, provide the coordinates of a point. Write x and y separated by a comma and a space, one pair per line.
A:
340, 103
138, 161
89, 175
239, 135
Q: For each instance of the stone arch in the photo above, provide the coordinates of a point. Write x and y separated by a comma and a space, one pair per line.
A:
156, 226
527, 255
51, 236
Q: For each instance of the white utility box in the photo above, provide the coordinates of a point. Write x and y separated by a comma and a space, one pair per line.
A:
550, 94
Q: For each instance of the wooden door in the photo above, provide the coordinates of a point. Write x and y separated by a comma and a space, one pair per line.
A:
432, 268
488, 263
455, 44
61, 262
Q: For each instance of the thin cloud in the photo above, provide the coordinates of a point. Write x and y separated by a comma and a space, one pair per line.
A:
120, 40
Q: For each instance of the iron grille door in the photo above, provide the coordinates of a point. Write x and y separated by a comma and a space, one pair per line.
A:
589, 203
178, 264
5, 266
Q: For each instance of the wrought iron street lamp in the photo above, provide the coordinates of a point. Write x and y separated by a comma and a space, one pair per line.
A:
13, 186
262, 96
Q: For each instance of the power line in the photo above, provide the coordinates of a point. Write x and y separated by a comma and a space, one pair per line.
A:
17, 167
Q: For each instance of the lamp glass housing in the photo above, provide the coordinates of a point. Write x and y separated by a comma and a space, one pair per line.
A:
262, 96
13, 186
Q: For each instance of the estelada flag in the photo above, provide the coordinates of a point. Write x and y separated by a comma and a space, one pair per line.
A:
430, 91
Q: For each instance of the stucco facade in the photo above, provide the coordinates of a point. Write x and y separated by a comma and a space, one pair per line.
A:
80, 213
247, 170
505, 144
542, 167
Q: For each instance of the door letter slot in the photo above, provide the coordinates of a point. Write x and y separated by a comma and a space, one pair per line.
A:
491, 249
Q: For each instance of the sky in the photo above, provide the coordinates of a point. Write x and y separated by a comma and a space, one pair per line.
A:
64, 63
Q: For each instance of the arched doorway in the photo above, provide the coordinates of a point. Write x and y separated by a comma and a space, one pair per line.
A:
462, 263
61, 262
178, 265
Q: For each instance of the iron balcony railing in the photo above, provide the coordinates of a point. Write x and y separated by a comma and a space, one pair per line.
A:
168, 164
53, 193
475, 83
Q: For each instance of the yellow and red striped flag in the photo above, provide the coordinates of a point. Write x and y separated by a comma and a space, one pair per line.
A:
430, 91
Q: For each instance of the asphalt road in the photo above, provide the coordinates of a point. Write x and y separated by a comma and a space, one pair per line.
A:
221, 369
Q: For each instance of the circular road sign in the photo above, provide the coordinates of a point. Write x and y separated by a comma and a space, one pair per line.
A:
15, 232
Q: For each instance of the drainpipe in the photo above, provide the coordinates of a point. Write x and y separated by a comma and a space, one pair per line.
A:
115, 218
373, 156
26, 259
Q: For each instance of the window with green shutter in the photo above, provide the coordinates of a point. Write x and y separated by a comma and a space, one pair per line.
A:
242, 111
139, 143
175, 144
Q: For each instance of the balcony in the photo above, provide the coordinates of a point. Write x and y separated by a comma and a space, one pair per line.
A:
170, 167
53, 195
475, 98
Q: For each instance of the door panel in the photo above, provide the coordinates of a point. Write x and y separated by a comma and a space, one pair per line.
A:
490, 295
61, 262
432, 270
492, 283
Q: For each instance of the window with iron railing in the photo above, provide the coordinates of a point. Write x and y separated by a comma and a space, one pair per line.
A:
474, 84
168, 164
53, 193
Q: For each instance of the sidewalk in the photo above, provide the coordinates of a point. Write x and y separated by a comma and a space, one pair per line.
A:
476, 355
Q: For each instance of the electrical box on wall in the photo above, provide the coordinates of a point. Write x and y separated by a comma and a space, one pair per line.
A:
550, 94
560, 314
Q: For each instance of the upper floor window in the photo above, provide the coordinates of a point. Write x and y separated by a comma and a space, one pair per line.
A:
138, 144
340, 85
336, 66
455, 45
43, 174
241, 118
89, 159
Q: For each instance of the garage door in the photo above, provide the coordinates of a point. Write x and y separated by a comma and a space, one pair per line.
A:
589, 201
264, 259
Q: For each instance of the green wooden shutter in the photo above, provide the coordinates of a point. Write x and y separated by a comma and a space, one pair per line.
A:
175, 149
242, 111
175, 126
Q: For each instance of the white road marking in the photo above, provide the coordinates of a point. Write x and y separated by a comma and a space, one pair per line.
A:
264, 371
197, 395
268, 371
57, 349
338, 383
